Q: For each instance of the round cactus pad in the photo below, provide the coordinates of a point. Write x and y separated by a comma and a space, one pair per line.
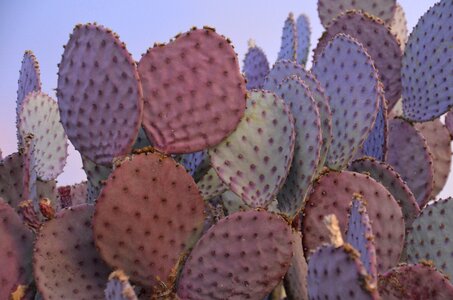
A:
307, 147
13, 184
255, 159
39, 116
161, 213
66, 263
431, 236
99, 94
16, 248
418, 281
392, 181
243, 256
119, 288
427, 64
398, 26
333, 193
438, 141
289, 40
379, 43
194, 92
351, 82
303, 39
256, 67
409, 155
329, 9
338, 273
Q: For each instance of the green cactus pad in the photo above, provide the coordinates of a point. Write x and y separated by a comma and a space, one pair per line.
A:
232, 203
351, 82
148, 214
289, 40
194, 91
255, 159
210, 185
243, 256
333, 193
431, 236
119, 288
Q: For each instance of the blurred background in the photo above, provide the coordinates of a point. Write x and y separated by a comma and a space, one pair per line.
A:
44, 27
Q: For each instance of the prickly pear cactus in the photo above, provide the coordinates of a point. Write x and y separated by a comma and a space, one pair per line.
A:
289, 40
256, 66
303, 39
119, 288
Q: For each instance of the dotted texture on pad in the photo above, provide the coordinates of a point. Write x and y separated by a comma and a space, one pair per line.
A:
66, 263
283, 69
255, 159
438, 140
295, 280
119, 288
409, 155
96, 175
351, 82
161, 215
243, 256
256, 68
379, 43
329, 9
13, 187
415, 282
210, 185
39, 116
303, 39
431, 236
16, 248
427, 63
232, 203
398, 26
99, 94
289, 40
338, 273
392, 181
307, 146
194, 162
449, 122
194, 92
333, 193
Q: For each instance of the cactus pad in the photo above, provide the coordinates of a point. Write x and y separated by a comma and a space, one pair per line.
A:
398, 26
307, 146
392, 181
409, 155
338, 273
16, 248
438, 141
295, 280
194, 162
303, 39
333, 193
210, 185
119, 288
96, 175
13, 188
449, 122
289, 40
418, 281
99, 94
255, 159
232, 203
430, 236
243, 256
329, 9
256, 67
156, 206
379, 43
194, 92
427, 64
348, 75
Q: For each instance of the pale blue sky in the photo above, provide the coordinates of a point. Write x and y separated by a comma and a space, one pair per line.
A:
44, 27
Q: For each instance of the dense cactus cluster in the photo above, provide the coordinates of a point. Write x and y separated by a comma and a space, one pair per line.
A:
205, 183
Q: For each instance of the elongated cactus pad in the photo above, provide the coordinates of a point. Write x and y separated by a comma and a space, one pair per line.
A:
255, 159
360, 235
329, 9
243, 256
348, 75
194, 92
66, 263
438, 140
379, 43
333, 193
289, 40
96, 175
12, 185
430, 236
210, 185
39, 116
392, 181
409, 155
119, 288
147, 215
307, 147
16, 248
303, 39
398, 26
418, 281
256, 67
295, 281
99, 94
338, 273
283, 69
427, 65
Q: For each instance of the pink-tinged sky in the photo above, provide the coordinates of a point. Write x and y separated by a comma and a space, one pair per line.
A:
44, 27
